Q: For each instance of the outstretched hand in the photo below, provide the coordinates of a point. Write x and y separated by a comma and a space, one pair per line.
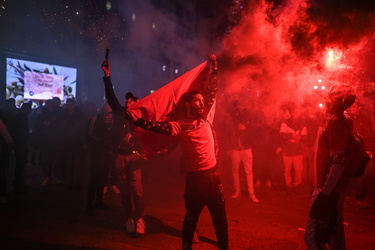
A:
213, 61
106, 68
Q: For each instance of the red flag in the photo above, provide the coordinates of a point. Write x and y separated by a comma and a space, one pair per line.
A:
159, 105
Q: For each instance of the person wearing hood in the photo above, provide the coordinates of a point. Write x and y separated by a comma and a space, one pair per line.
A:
101, 135
325, 223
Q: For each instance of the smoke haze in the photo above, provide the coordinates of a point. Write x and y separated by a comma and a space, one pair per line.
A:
278, 53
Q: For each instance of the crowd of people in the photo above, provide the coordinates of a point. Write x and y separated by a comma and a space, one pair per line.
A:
282, 156
52, 136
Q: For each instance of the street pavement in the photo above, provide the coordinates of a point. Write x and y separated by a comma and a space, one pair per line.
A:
53, 217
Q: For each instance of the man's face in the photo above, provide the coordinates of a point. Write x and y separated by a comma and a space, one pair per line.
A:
196, 105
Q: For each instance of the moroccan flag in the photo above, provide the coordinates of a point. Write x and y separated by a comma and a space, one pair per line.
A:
159, 105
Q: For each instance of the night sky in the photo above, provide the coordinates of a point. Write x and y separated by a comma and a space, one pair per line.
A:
76, 33
274, 46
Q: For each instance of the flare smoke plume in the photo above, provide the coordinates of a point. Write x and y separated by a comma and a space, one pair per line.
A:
278, 53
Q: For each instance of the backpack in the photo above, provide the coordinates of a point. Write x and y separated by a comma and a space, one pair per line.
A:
356, 156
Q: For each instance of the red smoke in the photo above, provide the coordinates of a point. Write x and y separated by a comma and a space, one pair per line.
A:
279, 53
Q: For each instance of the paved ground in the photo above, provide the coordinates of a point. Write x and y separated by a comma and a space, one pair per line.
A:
54, 218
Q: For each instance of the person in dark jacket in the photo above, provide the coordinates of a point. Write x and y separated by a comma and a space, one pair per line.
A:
19, 130
241, 136
45, 128
101, 135
293, 134
74, 127
325, 223
129, 160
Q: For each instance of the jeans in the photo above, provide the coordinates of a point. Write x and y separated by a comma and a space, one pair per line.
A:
297, 162
205, 189
129, 170
246, 156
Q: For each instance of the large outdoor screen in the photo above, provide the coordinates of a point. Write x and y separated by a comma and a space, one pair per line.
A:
28, 80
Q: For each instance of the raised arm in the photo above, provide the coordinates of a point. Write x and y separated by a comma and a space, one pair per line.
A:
158, 127
109, 92
167, 128
211, 86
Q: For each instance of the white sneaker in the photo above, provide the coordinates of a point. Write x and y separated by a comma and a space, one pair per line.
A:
129, 225
140, 227
253, 198
105, 190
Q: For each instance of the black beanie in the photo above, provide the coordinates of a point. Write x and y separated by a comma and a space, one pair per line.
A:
130, 95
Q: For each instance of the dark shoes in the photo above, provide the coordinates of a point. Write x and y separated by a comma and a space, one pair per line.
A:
101, 205
75, 186
293, 190
98, 205
186, 246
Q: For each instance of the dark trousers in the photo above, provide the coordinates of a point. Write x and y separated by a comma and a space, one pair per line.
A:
205, 189
21, 153
101, 162
3, 174
74, 167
